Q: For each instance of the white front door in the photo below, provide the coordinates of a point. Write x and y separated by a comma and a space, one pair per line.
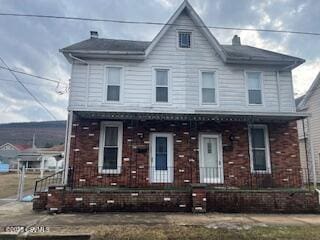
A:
161, 161
211, 166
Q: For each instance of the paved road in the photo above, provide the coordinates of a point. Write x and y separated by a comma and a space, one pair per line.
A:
17, 213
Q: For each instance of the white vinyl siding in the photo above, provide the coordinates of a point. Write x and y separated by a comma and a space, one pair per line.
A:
110, 147
259, 149
208, 89
137, 92
254, 86
113, 84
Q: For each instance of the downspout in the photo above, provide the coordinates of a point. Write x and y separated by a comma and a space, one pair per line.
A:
312, 156
278, 89
69, 128
67, 146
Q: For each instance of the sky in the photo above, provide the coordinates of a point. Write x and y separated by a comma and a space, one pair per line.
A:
32, 44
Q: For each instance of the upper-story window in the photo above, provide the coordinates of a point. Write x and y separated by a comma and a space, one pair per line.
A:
208, 87
162, 85
254, 85
113, 84
184, 39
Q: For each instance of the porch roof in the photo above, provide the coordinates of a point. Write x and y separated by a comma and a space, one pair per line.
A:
197, 116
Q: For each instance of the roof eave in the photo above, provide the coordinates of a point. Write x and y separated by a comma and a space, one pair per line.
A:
258, 61
131, 55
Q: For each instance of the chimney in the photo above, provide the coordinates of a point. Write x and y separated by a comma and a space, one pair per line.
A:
94, 34
236, 40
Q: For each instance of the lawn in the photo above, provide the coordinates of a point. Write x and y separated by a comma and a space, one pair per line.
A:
10, 181
192, 232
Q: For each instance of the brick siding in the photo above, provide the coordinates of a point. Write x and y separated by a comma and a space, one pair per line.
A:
284, 153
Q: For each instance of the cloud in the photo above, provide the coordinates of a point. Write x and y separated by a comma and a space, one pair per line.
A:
304, 75
31, 44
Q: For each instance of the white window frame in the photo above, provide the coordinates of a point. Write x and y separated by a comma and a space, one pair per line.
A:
178, 40
154, 85
103, 125
105, 88
267, 148
214, 71
247, 88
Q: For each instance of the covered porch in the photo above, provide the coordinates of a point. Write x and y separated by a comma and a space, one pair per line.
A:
156, 150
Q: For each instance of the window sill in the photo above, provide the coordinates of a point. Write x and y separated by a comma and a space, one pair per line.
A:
110, 172
258, 104
262, 172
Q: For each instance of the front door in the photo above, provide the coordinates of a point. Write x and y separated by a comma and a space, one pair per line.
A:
161, 162
211, 167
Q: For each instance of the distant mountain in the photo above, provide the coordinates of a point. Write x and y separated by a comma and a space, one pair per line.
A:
47, 133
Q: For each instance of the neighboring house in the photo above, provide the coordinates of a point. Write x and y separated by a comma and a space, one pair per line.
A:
309, 129
180, 111
9, 153
47, 159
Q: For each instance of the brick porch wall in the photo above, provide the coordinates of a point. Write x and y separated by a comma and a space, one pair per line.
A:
284, 152
198, 200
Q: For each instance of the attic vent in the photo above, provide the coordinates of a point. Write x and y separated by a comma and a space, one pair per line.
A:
236, 40
94, 34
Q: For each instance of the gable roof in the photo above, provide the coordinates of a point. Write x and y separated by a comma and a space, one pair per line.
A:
104, 45
253, 54
298, 100
315, 85
113, 48
17, 147
185, 6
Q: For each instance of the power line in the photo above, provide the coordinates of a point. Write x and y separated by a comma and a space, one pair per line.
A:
13, 81
32, 75
158, 23
28, 91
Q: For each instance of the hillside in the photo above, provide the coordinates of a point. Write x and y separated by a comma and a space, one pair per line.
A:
47, 133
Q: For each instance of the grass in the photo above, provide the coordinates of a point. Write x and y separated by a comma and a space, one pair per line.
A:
199, 233
10, 181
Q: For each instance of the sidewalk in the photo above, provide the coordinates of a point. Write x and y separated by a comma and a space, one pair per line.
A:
16, 213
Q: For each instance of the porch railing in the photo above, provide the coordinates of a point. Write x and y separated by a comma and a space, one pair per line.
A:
43, 184
166, 177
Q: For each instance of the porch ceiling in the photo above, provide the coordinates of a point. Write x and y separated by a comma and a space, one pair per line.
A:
199, 116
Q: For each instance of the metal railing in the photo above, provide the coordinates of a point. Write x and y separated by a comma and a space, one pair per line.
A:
166, 177
43, 184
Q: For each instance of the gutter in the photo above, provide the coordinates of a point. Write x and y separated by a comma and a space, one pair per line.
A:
105, 52
78, 59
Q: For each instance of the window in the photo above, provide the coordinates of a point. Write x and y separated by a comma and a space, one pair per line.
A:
110, 147
259, 148
254, 85
184, 39
161, 153
113, 83
208, 88
162, 85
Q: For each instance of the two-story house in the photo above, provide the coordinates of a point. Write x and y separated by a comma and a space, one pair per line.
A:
309, 129
180, 111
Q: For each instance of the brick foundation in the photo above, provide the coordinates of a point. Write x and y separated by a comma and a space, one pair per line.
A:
198, 200
263, 201
40, 201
